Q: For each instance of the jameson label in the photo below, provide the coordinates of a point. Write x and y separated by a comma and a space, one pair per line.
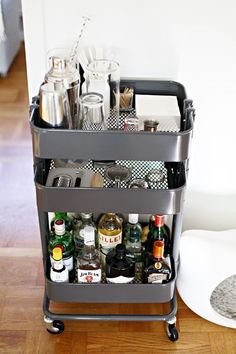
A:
89, 276
109, 241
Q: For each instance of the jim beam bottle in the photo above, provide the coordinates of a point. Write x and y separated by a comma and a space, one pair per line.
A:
109, 233
88, 260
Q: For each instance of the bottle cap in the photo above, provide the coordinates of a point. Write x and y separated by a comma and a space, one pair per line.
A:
86, 215
89, 235
57, 253
120, 250
133, 218
59, 227
159, 220
158, 249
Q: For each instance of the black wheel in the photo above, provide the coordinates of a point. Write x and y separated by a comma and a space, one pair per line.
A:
57, 327
172, 332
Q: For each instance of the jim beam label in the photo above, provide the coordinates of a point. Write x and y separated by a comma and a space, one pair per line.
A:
109, 242
89, 276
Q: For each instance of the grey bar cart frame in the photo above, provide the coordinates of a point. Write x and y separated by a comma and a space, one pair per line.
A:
173, 148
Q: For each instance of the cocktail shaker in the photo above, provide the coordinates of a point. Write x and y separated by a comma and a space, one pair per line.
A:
63, 74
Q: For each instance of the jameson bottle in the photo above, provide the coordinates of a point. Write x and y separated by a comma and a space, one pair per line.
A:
58, 273
86, 219
119, 267
158, 232
132, 233
63, 239
109, 233
157, 270
88, 260
62, 216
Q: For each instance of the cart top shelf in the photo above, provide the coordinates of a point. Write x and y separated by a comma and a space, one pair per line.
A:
117, 144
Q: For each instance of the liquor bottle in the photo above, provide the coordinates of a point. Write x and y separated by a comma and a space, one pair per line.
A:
63, 239
132, 232
119, 267
109, 233
158, 233
86, 219
147, 228
157, 269
58, 273
62, 216
88, 260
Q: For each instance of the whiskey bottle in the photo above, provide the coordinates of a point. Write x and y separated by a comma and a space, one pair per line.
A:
158, 232
63, 239
157, 269
62, 216
58, 273
133, 231
86, 219
109, 233
88, 260
119, 267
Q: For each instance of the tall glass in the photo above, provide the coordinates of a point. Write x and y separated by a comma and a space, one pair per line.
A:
103, 76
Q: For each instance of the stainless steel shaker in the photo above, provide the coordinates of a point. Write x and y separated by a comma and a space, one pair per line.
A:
62, 73
54, 109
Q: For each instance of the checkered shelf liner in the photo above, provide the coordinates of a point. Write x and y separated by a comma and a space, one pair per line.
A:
166, 124
139, 169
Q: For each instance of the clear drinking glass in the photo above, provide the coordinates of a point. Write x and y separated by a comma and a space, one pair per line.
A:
91, 111
103, 76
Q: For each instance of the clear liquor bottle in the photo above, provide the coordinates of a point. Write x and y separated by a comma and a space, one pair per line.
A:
86, 219
109, 233
157, 269
88, 260
63, 239
133, 231
119, 267
58, 272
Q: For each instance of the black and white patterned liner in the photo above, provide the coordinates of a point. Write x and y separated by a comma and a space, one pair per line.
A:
166, 124
139, 169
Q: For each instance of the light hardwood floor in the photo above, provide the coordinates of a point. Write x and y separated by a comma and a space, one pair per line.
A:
22, 329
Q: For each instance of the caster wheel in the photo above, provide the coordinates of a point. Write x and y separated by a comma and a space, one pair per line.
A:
54, 327
172, 332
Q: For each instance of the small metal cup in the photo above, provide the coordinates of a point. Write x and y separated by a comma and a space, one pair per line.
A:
91, 114
139, 183
54, 107
150, 125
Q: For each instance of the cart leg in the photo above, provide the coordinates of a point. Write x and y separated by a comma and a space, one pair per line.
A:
171, 329
52, 326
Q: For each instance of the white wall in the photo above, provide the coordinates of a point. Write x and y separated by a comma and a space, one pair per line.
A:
190, 41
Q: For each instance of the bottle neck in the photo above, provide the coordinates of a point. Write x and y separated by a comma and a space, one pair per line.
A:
58, 265
89, 250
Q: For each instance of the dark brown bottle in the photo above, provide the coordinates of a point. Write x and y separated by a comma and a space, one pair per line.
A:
119, 267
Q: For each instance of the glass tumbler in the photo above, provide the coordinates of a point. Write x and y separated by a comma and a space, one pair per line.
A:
91, 111
103, 76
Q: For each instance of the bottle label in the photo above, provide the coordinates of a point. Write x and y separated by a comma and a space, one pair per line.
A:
120, 280
59, 277
109, 242
67, 261
89, 276
157, 278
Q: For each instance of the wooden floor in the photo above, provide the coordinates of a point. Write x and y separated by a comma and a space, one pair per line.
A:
22, 329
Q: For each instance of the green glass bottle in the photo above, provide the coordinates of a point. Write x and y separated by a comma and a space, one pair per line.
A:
158, 232
62, 216
63, 239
